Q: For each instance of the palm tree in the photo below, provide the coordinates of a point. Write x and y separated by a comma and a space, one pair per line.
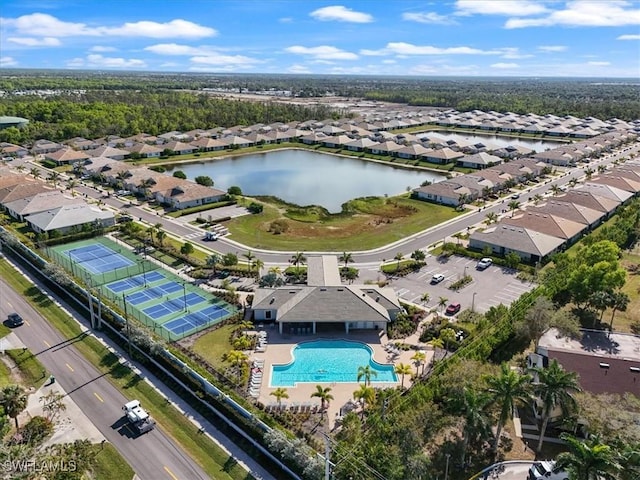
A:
257, 264
403, 369
145, 186
418, 360
150, 232
602, 168
588, 172
324, 396
513, 206
492, 217
473, 408
555, 388
53, 178
160, 236
236, 358
277, 271
436, 343
537, 198
587, 460
573, 182
442, 302
297, 259
366, 372
280, 393
619, 302
14, 401
35, 173
555, 189
71, 183
250, 257
399, 256
21, 168
367, 395
347, 258
507, 389
425, 298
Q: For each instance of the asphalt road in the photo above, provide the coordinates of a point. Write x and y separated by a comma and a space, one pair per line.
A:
153, 456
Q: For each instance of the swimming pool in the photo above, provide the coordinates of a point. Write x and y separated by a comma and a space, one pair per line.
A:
329, 361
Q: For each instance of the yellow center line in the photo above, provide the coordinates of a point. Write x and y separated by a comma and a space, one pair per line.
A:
166, 469
98, 397
46, 343
69, 367
10, 306
27, 322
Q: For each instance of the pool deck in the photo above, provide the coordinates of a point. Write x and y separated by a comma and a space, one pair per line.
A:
278, 351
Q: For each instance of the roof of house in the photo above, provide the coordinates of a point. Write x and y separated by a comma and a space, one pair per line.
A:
68, 216
519, 239
606, 191
22, 190
570, 211
66, 155
618, 181
323, 270
107, 151
549, 224
41, 202
482, 158
589, 199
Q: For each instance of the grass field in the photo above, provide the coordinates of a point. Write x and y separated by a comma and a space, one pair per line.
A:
205, 452
213, 345
368, 223
623, 320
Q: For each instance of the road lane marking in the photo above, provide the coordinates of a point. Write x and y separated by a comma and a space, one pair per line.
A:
27, 322
98, 397
166, 469
10, 306
46, 343
69, 367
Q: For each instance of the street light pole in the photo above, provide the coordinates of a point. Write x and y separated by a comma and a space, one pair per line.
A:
184, 295
446, 468
473, 302
126, 319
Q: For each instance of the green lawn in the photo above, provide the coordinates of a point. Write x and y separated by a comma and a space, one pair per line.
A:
205, 452
213, 345
370, 223
108, 463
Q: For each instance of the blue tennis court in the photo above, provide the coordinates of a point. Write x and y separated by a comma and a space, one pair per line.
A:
134, 282
98, 259
170, 287
163, 309
205, 317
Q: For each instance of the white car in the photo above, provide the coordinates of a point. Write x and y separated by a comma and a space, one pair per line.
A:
484, 263
437, 278
546, 470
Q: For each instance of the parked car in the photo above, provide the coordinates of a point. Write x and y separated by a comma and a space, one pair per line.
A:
484, 263
14, 320
453, 308
437, 278
515, 196
546, 470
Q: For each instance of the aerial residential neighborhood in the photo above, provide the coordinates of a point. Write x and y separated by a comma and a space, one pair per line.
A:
296, 240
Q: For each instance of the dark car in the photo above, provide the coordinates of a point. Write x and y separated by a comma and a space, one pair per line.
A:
14, 320
453, 308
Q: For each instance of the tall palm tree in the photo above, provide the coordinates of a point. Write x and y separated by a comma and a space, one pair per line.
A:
21, 168
347, 258
403, 369
425, 298
537, 198
280, 393
145, 186
436, 343
324, 395
366, 372
257, 264
298, 258
513, 206
442, 302
588, 172
492, 217
399, 256
71, 184
588, 459
160, 236
472, 406
555, 389
366, 394
236, 358
619, 302
418, 360
53, 178
507, 389
14, 401
34, 172
555, 189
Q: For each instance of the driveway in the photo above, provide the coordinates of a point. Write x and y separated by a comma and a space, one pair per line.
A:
490, 287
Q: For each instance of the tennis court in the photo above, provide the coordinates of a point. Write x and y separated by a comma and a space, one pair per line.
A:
135, 281
97, 259
196, 320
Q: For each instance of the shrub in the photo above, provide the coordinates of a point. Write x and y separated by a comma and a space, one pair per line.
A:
180, 174
36, 430
255, 207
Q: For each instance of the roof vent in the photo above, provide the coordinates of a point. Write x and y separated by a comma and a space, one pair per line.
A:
271, 301
378, 298
341, 289
323, 289
604, 365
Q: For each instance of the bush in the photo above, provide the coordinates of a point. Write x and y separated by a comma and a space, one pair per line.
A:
255, 207
180, 174
158, 168
36, 430
49, 164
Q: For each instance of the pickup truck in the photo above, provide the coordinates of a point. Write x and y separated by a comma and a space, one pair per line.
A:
138, 417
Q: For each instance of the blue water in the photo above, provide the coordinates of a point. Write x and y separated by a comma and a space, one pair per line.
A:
328, 361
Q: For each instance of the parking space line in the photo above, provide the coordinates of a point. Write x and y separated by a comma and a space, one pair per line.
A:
402, 291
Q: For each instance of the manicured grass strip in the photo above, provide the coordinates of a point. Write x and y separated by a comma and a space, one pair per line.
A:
33, 372
5, 375
213, 345
108, 463
208, 454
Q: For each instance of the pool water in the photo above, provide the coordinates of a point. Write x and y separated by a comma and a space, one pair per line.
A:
329, 361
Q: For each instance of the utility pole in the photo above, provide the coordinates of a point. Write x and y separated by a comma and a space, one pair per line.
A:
126, 319
327, 453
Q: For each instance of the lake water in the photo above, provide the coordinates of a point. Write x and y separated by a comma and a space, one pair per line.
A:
537, 145
302, 177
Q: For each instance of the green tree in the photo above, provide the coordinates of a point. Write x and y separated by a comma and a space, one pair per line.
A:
513, 206
34, 172
507, 389
234, 190
619, 302
543, 315
204, 180
403, 369
398, 257
280, 393
587, 459
425, 298
448, 336
180, 174
229, 259
160, 236
346, 258
256, 265
472, 406
187, 248
53, 404
512, 260
297, 259
491, 217
419, 360
366, 372
14, 401
54, 177
366, 395
442, 302
212, 261
418, 255
324, 394
555, 389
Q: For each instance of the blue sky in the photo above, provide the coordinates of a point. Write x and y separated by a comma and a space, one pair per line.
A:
579, 38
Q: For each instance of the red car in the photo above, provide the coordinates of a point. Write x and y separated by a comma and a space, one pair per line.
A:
453, 308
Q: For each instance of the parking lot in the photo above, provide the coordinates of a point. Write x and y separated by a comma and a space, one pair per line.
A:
490, 287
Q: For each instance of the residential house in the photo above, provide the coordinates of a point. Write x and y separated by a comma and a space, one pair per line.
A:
548, 224
110, 152
68, 218
479, 160
145, 150
413, 151
361, 144
66, 155
11, 150
442, 156
38, 203
18, 191
590, 200
41, 147
207, 144
336, 142
447, 192
179, 148
529, 245
618, 181
607, 191
186, 194
571, 211
385, 148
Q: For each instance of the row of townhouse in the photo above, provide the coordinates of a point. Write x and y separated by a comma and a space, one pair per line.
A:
47, 210
542, 230
368, 132
167, 190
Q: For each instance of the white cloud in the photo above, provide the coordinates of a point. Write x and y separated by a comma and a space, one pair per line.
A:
427, 69
285, 20
515, 8
35, 42
102, 49
389, 61
8, 62
43, 24
599, 64
297, 68
176, 49
505, 66
99, 61
402, 48
428, 17
552, 48
339, 13
584, 13
322, 52
628, 37
513, 53
219, 59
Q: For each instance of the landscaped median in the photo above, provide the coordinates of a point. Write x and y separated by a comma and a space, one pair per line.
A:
214, 461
